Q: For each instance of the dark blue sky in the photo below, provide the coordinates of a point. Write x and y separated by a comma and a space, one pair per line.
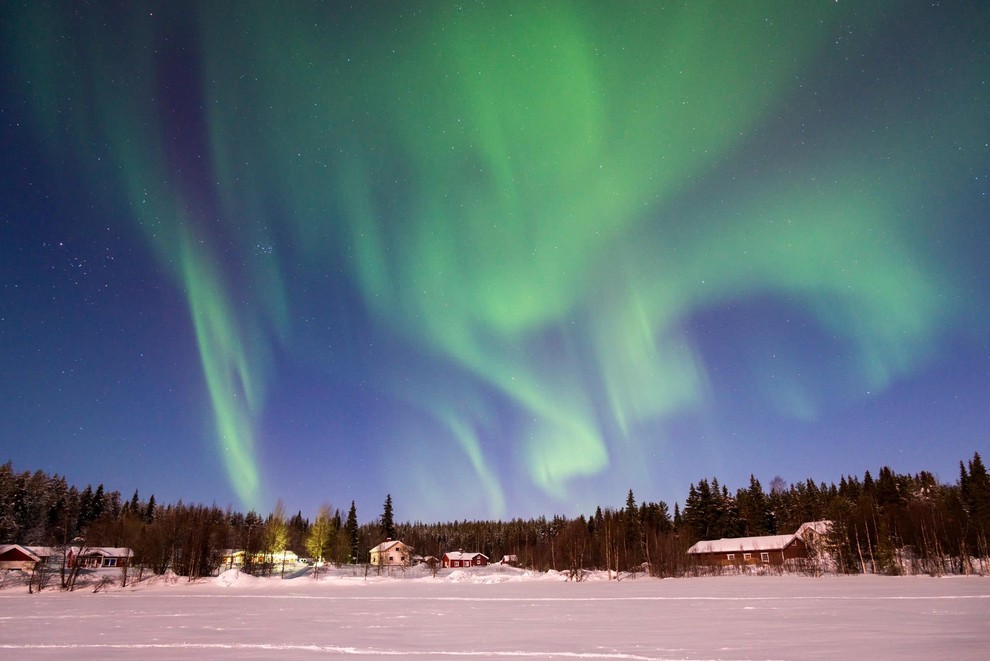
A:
497, 261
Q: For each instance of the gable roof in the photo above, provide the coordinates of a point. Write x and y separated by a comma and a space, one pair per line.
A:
461, 555
744, 544
107, 551
388, 544
18, 552
814, 528
762, 543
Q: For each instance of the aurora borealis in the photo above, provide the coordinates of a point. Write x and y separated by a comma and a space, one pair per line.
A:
494, 259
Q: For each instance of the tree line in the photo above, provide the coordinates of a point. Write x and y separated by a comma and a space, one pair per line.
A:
892, 523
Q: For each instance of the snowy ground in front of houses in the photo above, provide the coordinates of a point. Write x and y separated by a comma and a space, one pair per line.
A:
493, 613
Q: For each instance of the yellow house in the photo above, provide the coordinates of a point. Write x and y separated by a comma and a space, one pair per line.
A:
238, 558
233, 558
391, 553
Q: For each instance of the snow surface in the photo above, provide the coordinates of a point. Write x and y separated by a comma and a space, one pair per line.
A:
497, 612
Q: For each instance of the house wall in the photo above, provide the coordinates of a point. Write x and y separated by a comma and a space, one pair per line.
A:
477, 561
796, 550
397, 555
102, 561
15, 559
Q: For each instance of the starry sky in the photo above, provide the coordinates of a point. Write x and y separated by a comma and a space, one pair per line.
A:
495, 259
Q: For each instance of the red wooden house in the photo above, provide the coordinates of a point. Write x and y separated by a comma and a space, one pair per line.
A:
462, 559
15, 556
765, 550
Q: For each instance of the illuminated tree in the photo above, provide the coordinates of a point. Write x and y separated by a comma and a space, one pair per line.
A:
320, 538
276, 537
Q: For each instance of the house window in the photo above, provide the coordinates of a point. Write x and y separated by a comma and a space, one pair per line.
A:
747, 556
109, 562
765, 557
730, 556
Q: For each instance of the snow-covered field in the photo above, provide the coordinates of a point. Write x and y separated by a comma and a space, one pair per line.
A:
505, 613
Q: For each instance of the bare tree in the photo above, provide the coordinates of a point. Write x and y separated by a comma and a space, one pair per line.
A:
40, 577
75, 562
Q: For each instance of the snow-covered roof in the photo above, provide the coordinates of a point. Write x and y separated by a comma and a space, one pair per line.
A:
814, 527
763, 543
6, 548
388, 544
743, 544
108, 551
462, 555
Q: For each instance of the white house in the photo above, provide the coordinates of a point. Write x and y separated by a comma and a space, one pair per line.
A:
392, 552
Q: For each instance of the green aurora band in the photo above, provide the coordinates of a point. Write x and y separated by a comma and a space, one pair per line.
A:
514, 191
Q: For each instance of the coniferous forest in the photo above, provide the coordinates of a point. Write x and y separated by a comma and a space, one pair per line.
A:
889, 523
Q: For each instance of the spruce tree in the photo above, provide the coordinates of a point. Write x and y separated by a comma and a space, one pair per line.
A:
351, 527
149, 511
976, 492
388, 522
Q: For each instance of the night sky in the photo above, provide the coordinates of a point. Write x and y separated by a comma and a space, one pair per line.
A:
497, 260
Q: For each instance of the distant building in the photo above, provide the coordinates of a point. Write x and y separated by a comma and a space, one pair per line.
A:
510, 560
392, 553
462, 559
94, 557
765, 550
15, 556
230, 558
